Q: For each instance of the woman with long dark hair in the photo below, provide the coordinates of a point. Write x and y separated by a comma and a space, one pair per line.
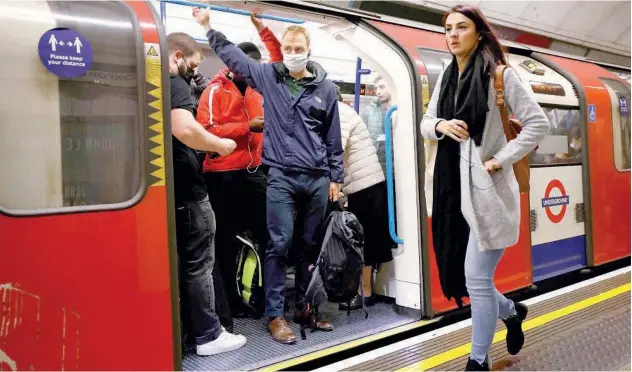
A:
476, 200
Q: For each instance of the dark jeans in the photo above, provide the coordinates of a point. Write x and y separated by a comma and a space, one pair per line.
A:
288, 193
195, 232
222, 308
239, 200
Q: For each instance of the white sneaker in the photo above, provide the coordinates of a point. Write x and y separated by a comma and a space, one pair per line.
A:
224, 343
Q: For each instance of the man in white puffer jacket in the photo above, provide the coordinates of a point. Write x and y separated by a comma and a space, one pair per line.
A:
365, 187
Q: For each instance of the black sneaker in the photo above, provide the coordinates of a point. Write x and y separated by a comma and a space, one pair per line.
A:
473, 365
515, 336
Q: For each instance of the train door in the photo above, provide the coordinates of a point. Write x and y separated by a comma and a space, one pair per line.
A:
619, 93
337, 45
558, 233
604, 101
428, 50
84, 229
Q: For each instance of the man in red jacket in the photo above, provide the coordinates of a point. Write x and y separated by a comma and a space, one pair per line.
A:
236, 184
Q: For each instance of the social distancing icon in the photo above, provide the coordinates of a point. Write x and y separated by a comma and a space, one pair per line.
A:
65, 52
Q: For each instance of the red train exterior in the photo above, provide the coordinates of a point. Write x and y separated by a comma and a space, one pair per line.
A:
91, 290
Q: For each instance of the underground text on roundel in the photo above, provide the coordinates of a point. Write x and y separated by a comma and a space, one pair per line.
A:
65, 52
554, 201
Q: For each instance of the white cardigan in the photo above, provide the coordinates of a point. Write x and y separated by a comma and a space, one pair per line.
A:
361, 165
491, 203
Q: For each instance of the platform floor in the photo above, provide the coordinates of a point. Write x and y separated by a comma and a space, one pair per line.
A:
587, 328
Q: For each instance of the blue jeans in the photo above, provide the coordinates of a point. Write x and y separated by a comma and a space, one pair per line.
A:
287, 193
195, 233
487, 304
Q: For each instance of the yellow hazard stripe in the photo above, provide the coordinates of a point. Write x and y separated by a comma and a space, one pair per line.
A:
346, 346
464, 350
153, 76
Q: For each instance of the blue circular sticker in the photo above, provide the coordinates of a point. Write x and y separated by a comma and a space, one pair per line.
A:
65, 52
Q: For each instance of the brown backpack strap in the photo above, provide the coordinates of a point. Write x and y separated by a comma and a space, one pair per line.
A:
500, 100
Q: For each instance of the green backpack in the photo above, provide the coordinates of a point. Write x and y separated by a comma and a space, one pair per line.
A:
250, 277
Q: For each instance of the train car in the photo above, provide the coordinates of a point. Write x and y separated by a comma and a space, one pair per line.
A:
88, 262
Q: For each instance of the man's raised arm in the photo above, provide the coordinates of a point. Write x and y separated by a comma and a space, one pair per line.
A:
273, 45
236, 60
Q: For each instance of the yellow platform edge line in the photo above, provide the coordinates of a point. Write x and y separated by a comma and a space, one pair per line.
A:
464, 350
346, 345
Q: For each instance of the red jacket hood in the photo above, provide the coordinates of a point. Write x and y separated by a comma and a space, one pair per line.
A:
222, 77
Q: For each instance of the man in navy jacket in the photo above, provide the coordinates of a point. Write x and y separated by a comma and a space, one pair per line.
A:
301, 146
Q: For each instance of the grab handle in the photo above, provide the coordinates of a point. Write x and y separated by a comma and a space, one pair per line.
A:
229, 10
389, 175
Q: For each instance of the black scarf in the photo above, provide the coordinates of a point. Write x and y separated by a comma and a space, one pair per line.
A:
450, 231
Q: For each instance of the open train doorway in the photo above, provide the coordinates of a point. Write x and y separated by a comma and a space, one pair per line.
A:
377, 81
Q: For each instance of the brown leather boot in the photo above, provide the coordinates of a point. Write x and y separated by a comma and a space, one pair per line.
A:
321, 324
324, 325
281, 331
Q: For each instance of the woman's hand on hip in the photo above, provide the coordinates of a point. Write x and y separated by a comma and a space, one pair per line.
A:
492, 165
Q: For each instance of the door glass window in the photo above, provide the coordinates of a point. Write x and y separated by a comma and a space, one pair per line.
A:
69, 142
620, 98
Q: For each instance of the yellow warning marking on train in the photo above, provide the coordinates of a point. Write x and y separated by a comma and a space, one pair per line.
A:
156, 128
157, 116
153, 71
156, 93
346, 345
463, 350
152, 52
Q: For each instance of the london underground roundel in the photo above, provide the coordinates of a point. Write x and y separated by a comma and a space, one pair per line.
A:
551, 203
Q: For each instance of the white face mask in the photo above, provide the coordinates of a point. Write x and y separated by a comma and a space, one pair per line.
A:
295, 62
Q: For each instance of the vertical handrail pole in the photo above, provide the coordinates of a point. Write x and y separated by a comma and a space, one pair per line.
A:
389, 175
356, 91
163, 14
359, 72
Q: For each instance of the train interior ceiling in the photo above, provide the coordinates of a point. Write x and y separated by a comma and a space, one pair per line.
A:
336, 44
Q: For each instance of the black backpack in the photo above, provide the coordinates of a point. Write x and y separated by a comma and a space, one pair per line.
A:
342, 257
337, 273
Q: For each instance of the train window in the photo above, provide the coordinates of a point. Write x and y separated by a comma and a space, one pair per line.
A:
70, 142
435, 62
620, 98
563, 144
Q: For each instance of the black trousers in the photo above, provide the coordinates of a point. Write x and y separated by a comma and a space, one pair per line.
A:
239, 201
370, 206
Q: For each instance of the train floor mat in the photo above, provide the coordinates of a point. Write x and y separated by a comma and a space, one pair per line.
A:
261, 350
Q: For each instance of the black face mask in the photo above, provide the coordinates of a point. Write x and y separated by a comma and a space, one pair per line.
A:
186, 72
237, 77
241, 85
